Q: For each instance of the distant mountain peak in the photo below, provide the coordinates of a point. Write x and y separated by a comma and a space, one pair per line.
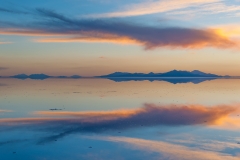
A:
75, 76
42, 76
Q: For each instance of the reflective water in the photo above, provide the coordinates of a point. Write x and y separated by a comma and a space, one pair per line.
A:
105, 119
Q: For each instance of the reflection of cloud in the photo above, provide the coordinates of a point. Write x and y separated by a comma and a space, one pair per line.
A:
91, 116
152, 114
64, 123
61, 28
3, 68
3, 111
229, 123
205, 144
1, 42
148, 115
12, 142
168, 150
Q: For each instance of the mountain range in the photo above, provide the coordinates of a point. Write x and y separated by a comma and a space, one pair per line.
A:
126, 76
173, 73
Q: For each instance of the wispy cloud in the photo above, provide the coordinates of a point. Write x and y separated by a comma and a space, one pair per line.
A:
157, 6
174, 7
167, 150
217, 7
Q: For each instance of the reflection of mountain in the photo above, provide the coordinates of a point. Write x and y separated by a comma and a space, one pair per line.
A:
32, 76
41, 76
73, 77
170, 80
1, 84
173, 73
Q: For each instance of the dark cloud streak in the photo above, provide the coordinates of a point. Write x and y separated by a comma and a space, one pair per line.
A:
14, 11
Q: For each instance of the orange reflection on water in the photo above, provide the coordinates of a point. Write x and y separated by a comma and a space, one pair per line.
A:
148, 115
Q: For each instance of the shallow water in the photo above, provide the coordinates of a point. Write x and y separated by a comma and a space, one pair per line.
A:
105, 119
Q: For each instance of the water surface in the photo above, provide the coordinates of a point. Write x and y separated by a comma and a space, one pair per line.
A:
105, 119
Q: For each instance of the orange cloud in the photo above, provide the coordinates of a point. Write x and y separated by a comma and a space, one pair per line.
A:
27, 32
195, 39
148, 37
91, 37
229, 30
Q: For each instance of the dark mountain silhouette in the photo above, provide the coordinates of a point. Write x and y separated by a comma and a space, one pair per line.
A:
204, 74
20, 76
39, 76
32, 76
126, 74
195, 73
173, 73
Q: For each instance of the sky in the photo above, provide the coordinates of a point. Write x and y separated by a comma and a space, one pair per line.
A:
95, 37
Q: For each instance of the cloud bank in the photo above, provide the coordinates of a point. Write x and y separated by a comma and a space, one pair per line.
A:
54, 27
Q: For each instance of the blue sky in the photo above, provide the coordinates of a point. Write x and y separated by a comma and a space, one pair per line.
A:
56, 37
